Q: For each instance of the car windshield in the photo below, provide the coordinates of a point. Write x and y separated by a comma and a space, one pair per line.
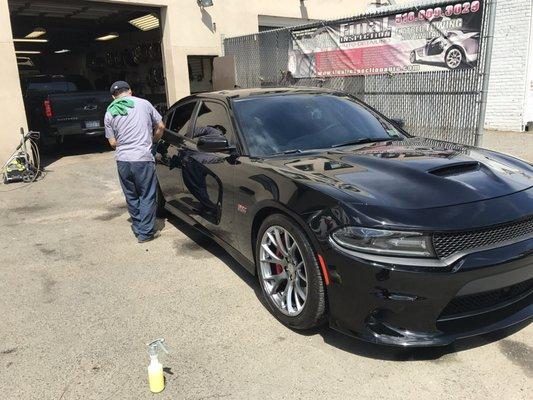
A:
299, 122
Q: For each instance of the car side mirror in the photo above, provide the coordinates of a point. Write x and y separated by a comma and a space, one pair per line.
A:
400, 123
213, 144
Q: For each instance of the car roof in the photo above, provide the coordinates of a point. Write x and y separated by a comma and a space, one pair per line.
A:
236, 94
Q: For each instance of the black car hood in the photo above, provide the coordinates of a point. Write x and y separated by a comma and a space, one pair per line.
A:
411, 174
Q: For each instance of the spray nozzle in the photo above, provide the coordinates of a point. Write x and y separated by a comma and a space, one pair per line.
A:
155, 345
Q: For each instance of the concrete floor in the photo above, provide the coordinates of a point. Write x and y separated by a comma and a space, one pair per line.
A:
514, 143
79, 299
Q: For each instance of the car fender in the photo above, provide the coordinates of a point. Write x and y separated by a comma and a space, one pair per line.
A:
274, 206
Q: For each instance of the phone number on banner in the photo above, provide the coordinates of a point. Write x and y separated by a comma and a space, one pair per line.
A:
437, 12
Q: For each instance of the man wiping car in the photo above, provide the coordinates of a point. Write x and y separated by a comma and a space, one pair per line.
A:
132, 125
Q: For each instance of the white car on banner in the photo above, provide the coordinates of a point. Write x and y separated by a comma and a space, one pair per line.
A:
454, 49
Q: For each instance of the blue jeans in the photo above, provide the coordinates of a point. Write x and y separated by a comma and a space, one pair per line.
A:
139, 184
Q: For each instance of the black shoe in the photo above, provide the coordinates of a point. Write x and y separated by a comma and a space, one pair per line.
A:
149, 239
133, 230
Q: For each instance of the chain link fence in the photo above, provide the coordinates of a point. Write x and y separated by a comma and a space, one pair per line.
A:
443, 105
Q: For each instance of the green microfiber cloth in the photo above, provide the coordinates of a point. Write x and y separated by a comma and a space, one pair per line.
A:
120, 106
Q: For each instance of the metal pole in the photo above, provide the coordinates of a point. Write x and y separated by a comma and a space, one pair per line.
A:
223, 48
486, 72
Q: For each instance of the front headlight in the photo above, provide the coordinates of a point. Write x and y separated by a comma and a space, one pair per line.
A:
384, 242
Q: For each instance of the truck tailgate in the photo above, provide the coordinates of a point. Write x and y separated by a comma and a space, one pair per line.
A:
78, 112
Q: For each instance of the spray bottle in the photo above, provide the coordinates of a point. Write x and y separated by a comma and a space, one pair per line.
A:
156, 379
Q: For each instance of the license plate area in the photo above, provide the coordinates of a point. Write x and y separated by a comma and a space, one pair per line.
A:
92, 124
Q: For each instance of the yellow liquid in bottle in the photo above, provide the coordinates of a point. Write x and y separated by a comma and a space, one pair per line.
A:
156, 379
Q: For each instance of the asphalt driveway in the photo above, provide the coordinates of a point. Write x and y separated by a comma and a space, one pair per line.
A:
79, 299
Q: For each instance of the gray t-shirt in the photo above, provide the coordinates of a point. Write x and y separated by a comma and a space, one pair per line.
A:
133, 132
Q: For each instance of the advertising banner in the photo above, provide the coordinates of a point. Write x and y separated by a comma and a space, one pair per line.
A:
440, 38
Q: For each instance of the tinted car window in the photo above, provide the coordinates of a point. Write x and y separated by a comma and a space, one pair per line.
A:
182, 118
212, 119
274, 124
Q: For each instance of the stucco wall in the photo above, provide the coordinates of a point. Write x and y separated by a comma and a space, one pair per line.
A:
528, 100
12, 115
508, 75
190, 30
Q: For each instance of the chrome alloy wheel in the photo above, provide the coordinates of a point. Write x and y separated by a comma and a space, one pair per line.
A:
454, 58
283, 271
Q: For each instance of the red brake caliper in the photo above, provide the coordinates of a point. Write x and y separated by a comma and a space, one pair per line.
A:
279, 268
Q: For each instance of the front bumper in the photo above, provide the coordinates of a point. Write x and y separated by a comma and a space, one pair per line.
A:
480, 293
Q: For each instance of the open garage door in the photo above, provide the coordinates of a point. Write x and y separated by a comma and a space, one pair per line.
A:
69, 53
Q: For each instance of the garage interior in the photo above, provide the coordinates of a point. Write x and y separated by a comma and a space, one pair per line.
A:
100, 41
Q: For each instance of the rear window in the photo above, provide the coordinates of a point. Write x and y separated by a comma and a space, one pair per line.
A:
58, 84
52, 87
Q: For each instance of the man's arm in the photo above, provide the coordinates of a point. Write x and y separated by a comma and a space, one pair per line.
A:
157, 123
158, 131
109, 132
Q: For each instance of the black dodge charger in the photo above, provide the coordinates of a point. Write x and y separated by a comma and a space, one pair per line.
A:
346, 218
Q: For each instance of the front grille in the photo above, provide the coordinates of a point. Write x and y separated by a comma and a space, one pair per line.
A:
487, 300
447, 244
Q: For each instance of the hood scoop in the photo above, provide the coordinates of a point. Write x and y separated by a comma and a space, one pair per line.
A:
455, 169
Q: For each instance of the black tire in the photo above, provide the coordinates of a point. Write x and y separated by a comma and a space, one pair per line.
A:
160, 211
412, 57
314, 310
